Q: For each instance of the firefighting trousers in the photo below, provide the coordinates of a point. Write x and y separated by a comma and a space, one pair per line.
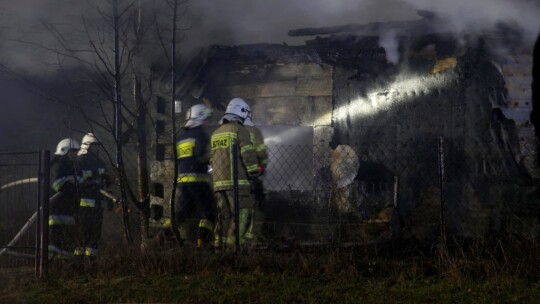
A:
225, 231
61, 235
61, 222
196, 195
90, 222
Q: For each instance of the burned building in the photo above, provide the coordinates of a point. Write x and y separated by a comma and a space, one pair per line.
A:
376, 135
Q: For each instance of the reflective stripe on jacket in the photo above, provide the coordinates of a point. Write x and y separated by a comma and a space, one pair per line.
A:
61, 220
221, 143
61, 181
87, 202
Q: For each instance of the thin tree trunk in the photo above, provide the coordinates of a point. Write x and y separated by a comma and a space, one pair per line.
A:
173, 118
142, 159
118, 124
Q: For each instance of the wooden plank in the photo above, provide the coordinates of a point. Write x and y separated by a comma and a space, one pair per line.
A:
300, 87
304, 111
257, 74
278, 72
293, 71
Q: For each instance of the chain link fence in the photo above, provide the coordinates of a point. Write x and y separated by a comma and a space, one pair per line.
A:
421, 189
384, 186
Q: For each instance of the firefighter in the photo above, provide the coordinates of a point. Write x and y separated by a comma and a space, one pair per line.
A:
63, 203
257, 189
232, 132
193, 181
90, 215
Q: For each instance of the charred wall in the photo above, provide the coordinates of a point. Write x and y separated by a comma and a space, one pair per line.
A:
394, 121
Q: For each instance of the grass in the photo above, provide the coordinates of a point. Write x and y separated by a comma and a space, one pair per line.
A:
487, 271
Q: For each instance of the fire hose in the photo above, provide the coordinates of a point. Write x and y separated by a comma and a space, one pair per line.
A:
33, 218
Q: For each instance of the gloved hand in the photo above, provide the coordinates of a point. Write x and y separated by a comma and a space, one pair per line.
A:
260, 169
118, 210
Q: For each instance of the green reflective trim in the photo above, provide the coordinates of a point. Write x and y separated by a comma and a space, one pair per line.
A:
206, 224
86, 174
91, 252
260, 148
59, 183
225, 134
246, 148
185, 148
167, 224
192, 178
243, 182
252, 168
61, 220
87, 202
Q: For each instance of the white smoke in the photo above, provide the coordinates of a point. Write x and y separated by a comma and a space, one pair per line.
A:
249, 21
476, 16
390, 43
261, 21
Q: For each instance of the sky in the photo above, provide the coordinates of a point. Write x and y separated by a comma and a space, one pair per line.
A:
218, 22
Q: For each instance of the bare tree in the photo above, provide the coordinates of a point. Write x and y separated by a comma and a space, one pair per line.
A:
112, 54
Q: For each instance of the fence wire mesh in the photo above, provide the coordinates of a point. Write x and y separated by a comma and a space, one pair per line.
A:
379, 188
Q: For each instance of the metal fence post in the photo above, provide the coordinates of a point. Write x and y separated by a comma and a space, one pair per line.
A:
42, 237
442, 185
235, 195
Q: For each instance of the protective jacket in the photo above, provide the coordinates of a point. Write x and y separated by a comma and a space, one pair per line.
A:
65, 180
221, 142
193, 155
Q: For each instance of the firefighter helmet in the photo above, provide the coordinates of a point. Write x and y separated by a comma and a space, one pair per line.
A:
248, 121
65, 145
87, 140
197, 114
238, 107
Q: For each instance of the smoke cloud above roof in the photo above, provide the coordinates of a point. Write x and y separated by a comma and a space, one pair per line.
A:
244, 21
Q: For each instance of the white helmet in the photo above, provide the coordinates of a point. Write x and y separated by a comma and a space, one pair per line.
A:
238, 107
65, 145
87, 140
197, 114
248, 121
90, 138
